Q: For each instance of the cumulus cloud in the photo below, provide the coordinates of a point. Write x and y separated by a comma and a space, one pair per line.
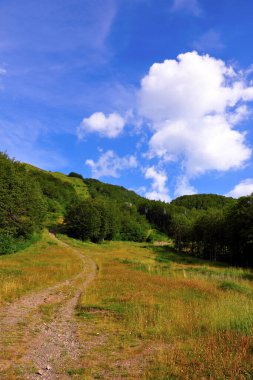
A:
159, 191
191, 6
194, 104
110, 164
243, 188
183, 187
109, 126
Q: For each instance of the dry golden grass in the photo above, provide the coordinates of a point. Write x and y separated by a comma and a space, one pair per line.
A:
149, 314
154, 315
39, 266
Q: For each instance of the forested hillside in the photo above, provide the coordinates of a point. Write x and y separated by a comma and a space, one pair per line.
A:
206, 225
203, 201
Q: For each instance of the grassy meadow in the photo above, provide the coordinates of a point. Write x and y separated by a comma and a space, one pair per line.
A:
153, 314
42, 264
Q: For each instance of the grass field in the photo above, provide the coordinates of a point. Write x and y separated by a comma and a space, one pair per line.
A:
39, 266
149, 314
153, 314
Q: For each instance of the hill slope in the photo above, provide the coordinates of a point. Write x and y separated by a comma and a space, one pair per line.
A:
203, 201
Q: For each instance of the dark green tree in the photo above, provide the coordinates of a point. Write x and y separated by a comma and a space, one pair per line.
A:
82, 221
22, 207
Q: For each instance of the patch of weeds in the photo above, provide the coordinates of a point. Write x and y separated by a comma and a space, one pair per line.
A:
247, 276
114, 308
48, 311
241, 326
84, 315
78, 371
125, 261
51, 243
162, 259
135, 265
190, 294
233, 286
10, 272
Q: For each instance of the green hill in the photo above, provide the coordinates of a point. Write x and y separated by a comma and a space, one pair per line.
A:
78, 184
203, 201
117, 193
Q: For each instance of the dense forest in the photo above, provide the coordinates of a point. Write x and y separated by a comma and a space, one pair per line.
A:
206, 225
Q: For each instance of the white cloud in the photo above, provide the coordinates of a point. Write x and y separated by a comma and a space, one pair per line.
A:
109, 126
194, 104
183, 187
159, 190
211, 40
110, 164
245, 187
191, 6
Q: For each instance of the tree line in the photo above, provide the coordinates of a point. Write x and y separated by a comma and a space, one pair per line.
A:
221, 232
101, 219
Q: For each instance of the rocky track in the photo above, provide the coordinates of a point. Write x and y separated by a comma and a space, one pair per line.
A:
35, 347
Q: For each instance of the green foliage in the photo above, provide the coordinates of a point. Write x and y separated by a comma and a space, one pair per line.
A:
235, 287
239, 232
75, 175
109, 219
203, 201
132, 230
205, 225
159, 214
82, 221
119, 194
58, 194
99, 220
76, 182
224, 234
22, 207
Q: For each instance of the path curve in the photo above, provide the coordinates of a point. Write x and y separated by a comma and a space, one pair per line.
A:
48, 346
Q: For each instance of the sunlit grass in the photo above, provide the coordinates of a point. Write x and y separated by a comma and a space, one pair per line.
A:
195, 318
42, 264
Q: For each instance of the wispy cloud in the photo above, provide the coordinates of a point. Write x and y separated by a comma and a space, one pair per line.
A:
56, 26
209, 41
189, 6
110, 164
60, 42
243, 188
3, 72
21, 140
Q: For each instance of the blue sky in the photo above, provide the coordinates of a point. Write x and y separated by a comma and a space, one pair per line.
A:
154, 95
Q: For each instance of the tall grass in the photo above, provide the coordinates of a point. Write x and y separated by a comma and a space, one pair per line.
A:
187, 324
42, 264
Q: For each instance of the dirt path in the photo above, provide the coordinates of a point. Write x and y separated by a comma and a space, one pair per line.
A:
38, 332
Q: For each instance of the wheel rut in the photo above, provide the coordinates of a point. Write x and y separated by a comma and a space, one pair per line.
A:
33, 347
